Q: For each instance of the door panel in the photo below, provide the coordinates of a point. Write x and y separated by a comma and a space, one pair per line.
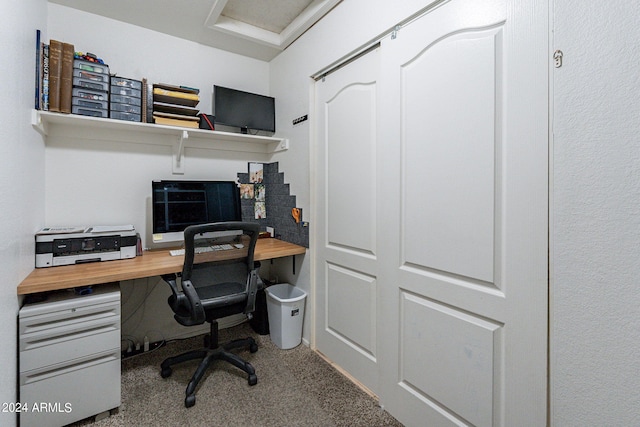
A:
459, 351
464, 294
346, 260
350, 120
351, 308
449, 154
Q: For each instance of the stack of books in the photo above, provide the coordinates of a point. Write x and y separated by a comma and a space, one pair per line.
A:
175, 105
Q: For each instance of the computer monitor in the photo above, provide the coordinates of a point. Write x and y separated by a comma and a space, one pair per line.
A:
232, 107
179, 204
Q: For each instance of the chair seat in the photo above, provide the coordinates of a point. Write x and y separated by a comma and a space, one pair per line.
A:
222, 295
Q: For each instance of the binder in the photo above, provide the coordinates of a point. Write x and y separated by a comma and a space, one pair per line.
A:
55, 73
66, 77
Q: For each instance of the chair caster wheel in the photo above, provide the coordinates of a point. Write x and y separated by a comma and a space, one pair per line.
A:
189, 401
253, 379
253, 347
166, 372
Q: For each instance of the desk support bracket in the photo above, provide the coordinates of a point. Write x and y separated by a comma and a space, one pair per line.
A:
293, 261
178, 154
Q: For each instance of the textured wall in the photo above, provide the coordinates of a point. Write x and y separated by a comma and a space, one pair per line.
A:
595, 297
21, 174
279, 202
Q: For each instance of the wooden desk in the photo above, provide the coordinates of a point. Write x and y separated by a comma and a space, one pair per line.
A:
152, 263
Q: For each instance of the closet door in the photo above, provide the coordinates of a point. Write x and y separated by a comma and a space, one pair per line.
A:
463, 274
346, 259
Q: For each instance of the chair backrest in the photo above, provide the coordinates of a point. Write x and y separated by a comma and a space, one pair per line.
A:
246, 238
215, 277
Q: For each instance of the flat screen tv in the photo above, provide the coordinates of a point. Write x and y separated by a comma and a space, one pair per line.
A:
179, 204
248, 111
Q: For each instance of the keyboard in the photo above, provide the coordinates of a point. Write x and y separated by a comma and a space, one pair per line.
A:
204, 249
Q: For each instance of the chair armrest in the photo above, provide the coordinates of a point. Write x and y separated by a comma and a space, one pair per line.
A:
197, 315
186, 303
252, 290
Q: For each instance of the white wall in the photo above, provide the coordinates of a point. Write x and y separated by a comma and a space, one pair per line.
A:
21, 174
102, 182
595, 294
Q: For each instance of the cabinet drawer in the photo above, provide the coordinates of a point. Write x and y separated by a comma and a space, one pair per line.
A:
71, 392
64, 306
65, 349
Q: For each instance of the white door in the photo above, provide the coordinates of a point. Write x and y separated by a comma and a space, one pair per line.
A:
345, 248
431, 209
463, 170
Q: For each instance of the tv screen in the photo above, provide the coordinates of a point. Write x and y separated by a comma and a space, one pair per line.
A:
245, 110
179, 204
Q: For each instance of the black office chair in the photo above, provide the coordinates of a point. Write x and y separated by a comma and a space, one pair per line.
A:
220, 283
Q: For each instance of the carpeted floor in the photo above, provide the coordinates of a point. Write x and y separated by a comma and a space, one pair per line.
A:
295, 388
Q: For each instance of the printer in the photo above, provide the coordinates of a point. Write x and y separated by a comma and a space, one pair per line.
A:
77, 245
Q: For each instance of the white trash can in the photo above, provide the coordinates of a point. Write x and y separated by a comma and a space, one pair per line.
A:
285, 309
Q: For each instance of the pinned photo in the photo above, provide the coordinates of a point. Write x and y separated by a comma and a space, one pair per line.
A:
246, 191
260, 210
256, 174
260, 192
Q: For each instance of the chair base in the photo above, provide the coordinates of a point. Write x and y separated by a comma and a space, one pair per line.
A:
208, 356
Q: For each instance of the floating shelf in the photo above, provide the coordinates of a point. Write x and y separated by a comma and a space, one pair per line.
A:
48, 123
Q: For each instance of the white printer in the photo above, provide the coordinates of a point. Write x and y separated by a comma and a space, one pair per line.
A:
76, 245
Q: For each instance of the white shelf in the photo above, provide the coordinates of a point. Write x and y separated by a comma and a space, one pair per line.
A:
48, 123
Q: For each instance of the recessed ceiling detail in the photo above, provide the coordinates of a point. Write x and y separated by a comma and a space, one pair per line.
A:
258, 29
270, 15
272, 23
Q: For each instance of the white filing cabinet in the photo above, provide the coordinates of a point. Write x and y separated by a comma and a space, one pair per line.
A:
69, 357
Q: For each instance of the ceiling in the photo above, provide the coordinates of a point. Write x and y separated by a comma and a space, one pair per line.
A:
259, 29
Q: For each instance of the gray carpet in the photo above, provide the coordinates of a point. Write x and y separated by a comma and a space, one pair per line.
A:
295, 388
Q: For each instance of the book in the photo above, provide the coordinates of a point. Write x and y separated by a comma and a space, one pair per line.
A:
55, 71
176, 116
176, 94
45, 78
175, 122
171, 94
38, 70
66, 77
166, 119
172, 97
145, 88
175, 109
174, 88
149, 100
